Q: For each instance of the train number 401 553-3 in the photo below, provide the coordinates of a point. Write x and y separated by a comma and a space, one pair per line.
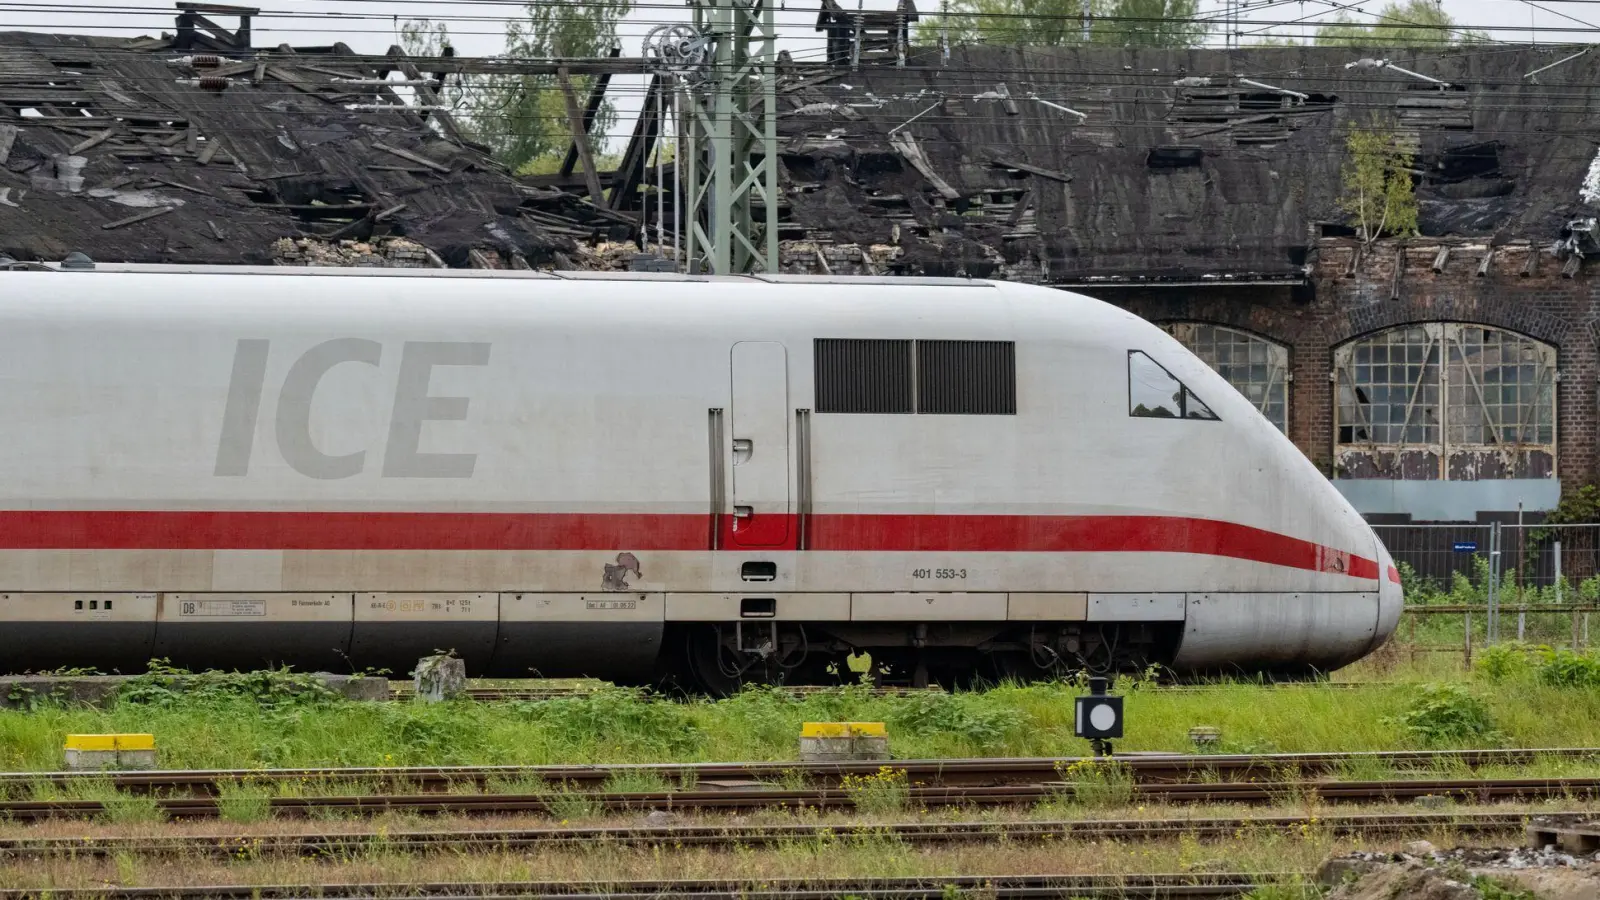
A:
938, 573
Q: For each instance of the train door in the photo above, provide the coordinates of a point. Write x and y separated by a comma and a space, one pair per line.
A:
759, 428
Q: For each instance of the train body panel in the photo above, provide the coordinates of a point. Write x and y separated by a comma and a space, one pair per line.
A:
598, 460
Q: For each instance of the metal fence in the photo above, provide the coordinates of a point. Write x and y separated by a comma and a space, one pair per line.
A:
1498, 582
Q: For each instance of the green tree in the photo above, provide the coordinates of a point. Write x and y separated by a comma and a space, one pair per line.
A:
1157, 23
1126, 23
1392, 28
523, 118
1376, 185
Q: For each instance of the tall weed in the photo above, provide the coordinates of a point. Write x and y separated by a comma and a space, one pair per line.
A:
884, 791
167, 686
968, 716
1446, 713
132, 809
1099, 784
658, 727
1502, 662
244, 807
1564, 668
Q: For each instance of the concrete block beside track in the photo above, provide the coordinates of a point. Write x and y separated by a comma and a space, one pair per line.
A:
92, 752
843, 742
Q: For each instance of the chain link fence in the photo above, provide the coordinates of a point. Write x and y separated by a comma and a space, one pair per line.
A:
1472, 586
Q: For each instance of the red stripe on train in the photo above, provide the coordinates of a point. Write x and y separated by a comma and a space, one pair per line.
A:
262, 530
1062, 534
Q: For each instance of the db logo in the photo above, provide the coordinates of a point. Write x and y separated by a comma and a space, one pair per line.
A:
189, 607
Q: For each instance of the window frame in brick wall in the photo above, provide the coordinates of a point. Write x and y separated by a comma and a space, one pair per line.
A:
1452, 401
1257, 367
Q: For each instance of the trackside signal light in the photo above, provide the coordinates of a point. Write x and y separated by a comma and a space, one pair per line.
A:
1098, 716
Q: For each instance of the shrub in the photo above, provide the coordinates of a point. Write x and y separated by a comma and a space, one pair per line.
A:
1564, 668
167, 686
1442, 713
1501, 889
984, 723
663, 727
1503, 661
1417, 589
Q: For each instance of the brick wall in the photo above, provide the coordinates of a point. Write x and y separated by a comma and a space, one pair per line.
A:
1354, 291
1352, 294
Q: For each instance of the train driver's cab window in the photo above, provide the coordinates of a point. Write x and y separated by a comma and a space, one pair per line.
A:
1154, 393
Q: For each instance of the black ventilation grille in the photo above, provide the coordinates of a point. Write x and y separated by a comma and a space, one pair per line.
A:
863, 376
967, 378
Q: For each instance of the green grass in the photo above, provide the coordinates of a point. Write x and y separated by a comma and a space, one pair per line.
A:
1519, 708
636, 781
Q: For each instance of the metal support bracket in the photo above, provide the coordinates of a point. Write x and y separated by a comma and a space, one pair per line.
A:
731, 124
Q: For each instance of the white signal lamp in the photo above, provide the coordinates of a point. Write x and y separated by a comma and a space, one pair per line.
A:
1098, 716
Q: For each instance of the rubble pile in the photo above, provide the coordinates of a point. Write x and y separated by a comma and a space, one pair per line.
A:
830, 258
397, 253
1465, 873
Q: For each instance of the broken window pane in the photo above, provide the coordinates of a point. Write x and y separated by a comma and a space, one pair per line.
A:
1469, 402
1154, 393
1257, 367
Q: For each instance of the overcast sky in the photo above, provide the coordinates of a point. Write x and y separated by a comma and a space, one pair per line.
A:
478, 29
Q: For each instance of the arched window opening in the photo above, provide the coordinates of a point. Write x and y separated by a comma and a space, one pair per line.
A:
1445, 401
1256, 367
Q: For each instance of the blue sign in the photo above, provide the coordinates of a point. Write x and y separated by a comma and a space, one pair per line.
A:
1465, 546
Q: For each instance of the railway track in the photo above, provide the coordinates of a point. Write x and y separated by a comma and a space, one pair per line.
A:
343, 845
537, 694
1149, 768
1221, 886
495, 694
555, 803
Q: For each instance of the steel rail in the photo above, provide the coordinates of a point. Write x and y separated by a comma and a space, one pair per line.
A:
950, 772
352, 844
1472, 790
540, 694
1191, 886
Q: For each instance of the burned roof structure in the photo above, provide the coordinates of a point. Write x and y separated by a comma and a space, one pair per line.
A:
1073, 165
194, 148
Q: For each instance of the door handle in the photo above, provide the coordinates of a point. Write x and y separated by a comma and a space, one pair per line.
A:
742, 450
743, 512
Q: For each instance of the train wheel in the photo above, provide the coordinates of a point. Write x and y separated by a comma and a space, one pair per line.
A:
719, 670
1002, 666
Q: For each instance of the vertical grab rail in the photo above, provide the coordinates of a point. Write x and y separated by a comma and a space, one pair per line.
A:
718, 482
802, 432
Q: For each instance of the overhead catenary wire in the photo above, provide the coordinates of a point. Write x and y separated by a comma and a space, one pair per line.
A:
1389, 22
1550, 100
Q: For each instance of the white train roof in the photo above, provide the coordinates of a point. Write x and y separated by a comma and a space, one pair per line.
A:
495, 274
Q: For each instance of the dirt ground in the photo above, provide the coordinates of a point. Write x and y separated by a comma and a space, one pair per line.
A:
1426, 873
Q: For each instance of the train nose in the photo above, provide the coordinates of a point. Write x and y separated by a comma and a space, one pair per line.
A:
1391, 599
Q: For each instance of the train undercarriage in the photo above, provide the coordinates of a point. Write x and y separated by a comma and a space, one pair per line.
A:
721, 658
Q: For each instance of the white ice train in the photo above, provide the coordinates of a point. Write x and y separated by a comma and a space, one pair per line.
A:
637, 476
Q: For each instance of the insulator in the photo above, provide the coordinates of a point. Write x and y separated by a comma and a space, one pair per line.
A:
203, 61
213, 83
